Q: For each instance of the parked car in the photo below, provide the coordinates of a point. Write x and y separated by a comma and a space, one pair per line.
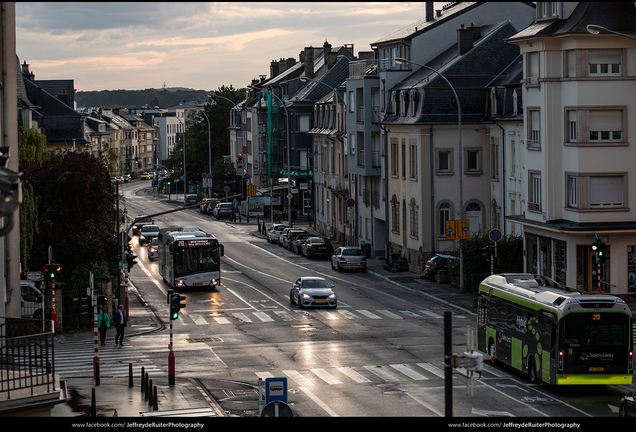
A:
313, 291
153, 249
288, 235
207, 205
627, 408
298, 241
274, 232
191, 199
435, 264
140, 223
223, 210
146, 176
349, 258
32, 300
126, 178
316, 246
147, 233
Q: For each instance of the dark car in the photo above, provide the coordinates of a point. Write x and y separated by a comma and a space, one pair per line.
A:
191, 199
435, 264
147, 233
288, 235
296, 244
316, 246
140, 223
312, 291
627, 408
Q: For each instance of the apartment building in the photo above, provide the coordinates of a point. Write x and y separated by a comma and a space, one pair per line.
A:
577, 170
369, 101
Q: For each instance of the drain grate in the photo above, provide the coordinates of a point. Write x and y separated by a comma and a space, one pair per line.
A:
204, 339
241, 393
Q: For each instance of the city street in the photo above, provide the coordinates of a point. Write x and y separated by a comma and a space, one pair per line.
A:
380, 353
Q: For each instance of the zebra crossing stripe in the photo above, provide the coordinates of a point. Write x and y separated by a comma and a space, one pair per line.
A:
326, 376
408, 372
381, 373
432, 369
300, 380
242, 317
263, 316
369, 314
354, 375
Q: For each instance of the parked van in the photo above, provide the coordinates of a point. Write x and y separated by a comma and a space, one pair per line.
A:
32, 300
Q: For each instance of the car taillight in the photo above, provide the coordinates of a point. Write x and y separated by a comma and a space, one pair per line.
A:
560, 362
364, 259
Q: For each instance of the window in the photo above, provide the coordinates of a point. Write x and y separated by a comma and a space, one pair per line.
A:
473, 158
444, 159
412, 101
414, 218
412, 159
403, 158
605, 62
394, 157
352, 143
494, 158
304, 123
594, 126
606, 192
606, 125
594, 191
534, 191
532, 68
403, 102
572, 191
534, 129
395, 215
444, 215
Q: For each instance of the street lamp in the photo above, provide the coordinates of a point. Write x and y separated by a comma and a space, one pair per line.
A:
596, 29
212, 96
209, 149
400, 60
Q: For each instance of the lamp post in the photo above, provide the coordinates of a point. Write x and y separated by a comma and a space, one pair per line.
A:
212, 96
596, 29
288, 159
400, 60
209, 150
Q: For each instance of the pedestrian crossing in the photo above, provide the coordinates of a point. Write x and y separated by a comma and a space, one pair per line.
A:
372, 374
75, 360
272, 316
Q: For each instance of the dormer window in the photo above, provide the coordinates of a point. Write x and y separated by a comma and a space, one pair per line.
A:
547, 10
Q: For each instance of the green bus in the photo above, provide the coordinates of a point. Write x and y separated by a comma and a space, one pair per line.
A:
554, 334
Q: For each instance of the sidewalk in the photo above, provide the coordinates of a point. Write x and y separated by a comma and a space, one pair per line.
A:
114, 397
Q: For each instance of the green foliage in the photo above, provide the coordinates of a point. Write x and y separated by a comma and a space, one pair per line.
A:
509, 256
76, 215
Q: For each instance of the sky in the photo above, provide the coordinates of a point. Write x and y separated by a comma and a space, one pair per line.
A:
203, 46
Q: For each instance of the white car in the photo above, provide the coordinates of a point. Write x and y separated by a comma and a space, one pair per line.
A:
274, 232
153, 249
313, 291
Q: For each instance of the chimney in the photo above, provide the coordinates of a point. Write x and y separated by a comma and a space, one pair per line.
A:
330, 56
429, 11
273, 69
309, 61
464, 40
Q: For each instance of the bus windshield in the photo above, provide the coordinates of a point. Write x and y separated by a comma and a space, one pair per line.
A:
191, 256
596, 329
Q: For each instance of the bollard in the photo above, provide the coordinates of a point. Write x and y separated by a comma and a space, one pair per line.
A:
151, 398
130, 375
97, 378
148, 389
93, 406
143, 376
155, 405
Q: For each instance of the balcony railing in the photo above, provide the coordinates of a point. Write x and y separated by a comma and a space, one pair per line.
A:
26, 356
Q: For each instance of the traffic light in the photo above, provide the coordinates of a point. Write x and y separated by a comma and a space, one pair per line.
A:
176, 306
136, 160
50, 271
239, 158
601, 251
130, 260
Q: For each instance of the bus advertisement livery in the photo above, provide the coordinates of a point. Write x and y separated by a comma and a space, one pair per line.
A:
189, 258
554, 334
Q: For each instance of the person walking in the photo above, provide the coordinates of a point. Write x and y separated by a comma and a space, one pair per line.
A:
102, 325
120, 325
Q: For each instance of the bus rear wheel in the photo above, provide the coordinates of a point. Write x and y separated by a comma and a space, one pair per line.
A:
532, 372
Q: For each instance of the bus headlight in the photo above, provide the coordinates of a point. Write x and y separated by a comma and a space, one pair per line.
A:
181, 283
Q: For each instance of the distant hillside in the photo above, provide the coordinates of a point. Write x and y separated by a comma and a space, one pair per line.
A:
163, 98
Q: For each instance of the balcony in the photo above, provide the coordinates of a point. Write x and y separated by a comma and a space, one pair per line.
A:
28, 383
336, 182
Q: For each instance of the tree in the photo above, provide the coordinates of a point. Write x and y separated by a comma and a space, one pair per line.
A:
76, 212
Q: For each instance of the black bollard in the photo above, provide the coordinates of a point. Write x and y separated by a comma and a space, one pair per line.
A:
143, 379
93, 405
148, 389
97, 378
130, 375
153, 399
155, 405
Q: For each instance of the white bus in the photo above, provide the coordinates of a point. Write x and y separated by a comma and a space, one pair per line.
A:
189, 258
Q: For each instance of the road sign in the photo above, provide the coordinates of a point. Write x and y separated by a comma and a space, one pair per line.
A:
275, 390
226, 189
495, 235
457, 229
351, 202
289, 196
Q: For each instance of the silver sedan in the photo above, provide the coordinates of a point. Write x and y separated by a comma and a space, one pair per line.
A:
313, 291
348, 257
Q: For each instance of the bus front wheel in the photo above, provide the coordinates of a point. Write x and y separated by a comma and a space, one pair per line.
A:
491, 351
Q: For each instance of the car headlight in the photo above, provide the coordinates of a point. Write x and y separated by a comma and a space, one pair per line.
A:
306, 296
181, 283
332, 296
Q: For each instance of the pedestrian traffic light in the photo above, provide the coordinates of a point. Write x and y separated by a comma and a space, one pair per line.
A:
601, 251
130, 260
50, 270
176, 306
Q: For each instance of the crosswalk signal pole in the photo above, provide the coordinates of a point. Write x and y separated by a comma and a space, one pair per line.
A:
171, 380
